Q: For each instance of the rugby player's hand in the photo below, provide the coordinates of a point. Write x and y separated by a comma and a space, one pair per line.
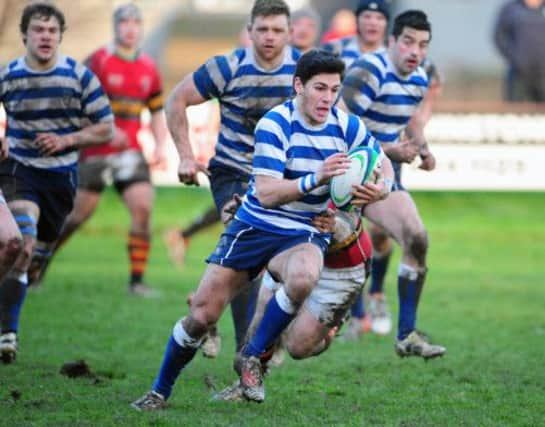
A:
228, 211
51, 143
4, 148
325, 221
427, 162
158, 160
334, 165
404, 151
188, 170
120, 139
368, 193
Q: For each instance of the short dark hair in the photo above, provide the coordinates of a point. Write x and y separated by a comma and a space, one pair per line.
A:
318, 61
41, 10
268, 8
413, 19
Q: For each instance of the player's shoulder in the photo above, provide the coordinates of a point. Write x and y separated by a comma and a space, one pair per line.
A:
372, 63
281, 114
10, 67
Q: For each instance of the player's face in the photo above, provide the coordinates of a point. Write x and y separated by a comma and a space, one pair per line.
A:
269, 35
129, 32
42, 39
372, 27
317, 96
409, 50
304, 33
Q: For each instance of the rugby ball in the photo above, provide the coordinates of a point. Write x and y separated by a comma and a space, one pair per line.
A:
364, 167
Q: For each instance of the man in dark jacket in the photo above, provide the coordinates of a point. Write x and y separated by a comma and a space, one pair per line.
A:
519, 35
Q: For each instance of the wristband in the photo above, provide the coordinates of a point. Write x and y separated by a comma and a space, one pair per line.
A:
307, 183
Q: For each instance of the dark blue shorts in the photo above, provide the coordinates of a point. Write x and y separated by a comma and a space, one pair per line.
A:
246, 248
53, 192
224, 182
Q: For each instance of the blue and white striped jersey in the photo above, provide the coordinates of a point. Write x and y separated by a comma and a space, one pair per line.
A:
245, 92
348, 49
61, 100
374, 91
286, 147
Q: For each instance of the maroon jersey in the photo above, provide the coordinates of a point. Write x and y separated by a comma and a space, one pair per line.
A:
131, 86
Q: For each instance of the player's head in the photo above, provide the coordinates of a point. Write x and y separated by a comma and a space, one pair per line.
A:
305, 28
42, 26
269, 28
409, 41
317, 82
127, 21
372, 19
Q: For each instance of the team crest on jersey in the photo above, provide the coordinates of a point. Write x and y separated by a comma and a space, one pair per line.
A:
115, 79
145, 83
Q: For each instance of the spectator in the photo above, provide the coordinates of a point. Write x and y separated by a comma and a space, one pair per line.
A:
519, 33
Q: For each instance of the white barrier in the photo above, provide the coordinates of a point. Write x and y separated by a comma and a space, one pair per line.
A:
473, 151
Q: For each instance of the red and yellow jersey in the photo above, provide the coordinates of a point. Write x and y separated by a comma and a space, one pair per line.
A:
131, 86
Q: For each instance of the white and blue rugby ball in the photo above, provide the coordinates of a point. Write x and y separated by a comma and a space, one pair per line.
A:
364, 167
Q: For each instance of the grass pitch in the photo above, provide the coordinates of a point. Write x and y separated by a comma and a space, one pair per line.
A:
484, 300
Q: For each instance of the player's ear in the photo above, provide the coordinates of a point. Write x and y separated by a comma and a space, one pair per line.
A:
298, 85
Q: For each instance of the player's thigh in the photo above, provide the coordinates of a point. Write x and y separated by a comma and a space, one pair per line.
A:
397, 215
85, 204
218, 286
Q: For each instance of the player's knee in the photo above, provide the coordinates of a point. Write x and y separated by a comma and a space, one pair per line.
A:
297, 348
13, 249
300, 284
141, 215
195, 326
417, 244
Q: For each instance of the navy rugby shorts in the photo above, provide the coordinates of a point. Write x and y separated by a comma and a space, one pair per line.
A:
245, 248
53, 192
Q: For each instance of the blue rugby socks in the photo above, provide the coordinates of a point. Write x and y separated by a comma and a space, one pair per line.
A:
379, 267
278, 314
242, 311
409, 287
12, 297
179, 352
358, 308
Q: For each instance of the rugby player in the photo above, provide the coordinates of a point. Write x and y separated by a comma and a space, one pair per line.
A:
54, 106
247, 83
300, 146
385, 89
132, 82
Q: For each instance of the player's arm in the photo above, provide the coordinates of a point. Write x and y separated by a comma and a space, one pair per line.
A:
415, 128
95, 134
272, 191
160, 132
184, 95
